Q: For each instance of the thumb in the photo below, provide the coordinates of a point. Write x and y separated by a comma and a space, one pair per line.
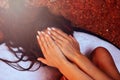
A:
43, 60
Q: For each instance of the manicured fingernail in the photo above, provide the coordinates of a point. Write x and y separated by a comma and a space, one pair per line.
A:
37, 37
38, 59
49, 29
42, 32
53, 28
48, 32
39, 32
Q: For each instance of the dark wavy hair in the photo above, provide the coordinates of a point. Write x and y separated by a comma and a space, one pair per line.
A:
20, 34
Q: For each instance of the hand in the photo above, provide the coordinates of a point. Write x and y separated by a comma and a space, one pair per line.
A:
53, 55
68, 45
55, 58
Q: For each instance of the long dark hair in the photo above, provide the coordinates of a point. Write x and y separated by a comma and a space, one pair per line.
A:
20, 33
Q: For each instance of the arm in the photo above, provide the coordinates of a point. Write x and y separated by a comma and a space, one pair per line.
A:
73, 54
72, 72
55, 58
86, 65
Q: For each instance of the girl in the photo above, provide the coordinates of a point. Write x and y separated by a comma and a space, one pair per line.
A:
20, 37
62, 51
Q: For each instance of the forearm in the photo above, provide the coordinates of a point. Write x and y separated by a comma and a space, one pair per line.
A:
72, 72
87, 66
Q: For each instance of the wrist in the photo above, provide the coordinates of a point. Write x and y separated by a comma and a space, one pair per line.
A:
63, 64
77, 57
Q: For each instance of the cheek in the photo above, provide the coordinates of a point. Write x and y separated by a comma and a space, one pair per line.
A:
1, 37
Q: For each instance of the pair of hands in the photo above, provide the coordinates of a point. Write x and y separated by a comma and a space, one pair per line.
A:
57, 47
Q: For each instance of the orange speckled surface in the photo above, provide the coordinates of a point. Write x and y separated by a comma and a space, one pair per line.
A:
101, 17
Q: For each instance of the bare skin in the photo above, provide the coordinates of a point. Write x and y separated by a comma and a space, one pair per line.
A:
104, 61
57, 59
72, 53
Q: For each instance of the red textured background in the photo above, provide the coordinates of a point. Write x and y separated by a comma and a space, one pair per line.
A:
101, 17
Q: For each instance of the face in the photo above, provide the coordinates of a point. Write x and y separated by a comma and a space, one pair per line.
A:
1, 37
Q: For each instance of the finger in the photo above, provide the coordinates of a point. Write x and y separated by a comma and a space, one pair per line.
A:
75, 41
39, 41
56, 39
73, 38
43, 60
49, 41
58, 44
58, 33
42, 42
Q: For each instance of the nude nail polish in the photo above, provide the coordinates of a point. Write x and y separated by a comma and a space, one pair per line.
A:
49, 29
37, 37
42, 32
39, 32
53, 28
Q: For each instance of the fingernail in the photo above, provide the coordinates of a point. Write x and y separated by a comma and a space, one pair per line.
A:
49, 29
48, 32
53, 28
42, 32
37, 37
39, 32
38, 59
